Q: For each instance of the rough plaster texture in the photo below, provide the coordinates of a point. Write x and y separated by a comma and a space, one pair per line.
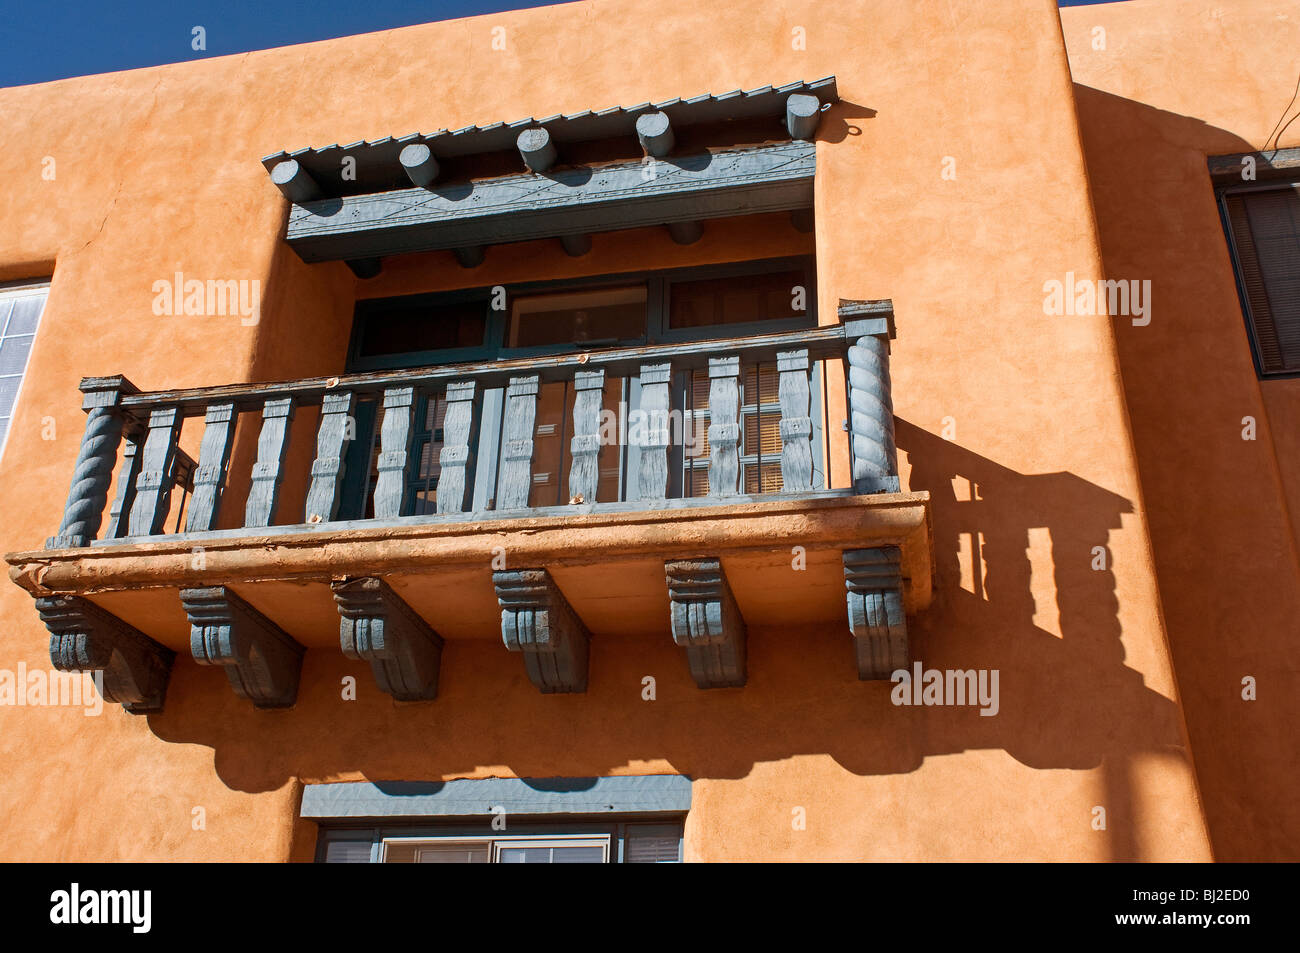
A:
1013, 420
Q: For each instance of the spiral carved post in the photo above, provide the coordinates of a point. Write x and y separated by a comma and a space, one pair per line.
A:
84, 510
868, 327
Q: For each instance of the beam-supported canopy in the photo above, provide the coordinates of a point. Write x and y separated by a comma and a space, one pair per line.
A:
512, 182
572, 201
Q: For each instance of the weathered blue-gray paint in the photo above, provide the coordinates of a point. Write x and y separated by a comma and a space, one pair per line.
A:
513, 208
378, 161
470, 797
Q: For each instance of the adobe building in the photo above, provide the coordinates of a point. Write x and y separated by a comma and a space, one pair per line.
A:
660, 431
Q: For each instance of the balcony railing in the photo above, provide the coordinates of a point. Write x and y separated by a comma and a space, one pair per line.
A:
154, 475
427, 547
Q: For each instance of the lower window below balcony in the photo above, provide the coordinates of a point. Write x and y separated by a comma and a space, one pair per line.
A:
575, 843
608, 820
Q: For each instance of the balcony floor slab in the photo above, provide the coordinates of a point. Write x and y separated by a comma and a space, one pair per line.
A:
608, 559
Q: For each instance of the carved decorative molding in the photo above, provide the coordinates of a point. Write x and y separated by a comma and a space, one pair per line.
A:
538, 621
873, 578
378, 627
261, 660
706, 622
86, 638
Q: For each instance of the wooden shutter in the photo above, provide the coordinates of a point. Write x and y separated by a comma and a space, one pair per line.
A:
1266, 235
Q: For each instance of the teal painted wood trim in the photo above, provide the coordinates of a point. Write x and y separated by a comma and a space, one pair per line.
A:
465, 797
580, 200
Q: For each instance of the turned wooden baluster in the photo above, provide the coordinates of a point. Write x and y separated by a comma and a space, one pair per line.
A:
517, 443
120, 509
332, 436
458, 428
394, 447
84, 510
584, 447
871, 406
268, 471
153, 486
724, 426
652, 433
796, 422
210, 477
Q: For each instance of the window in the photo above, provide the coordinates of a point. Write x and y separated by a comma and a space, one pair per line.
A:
406, 325
715, 302
626, 819
20, 312
760, 432
526, 843
1264, 235
562, 316
538, 849
604, 316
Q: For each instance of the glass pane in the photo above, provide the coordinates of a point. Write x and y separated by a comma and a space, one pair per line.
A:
765, 479
604, 315
739, 300
698, 390
525, 855
8, 391
697, 481
347, 852
651, 847
762, 434
425, 852
551, 436
400, 326
452, 855
13, 354
577, 855
552, 855
27, 312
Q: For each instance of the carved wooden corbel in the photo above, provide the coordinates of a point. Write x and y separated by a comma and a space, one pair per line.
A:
261, 660
538, 621
874, 581
706, 622
378, 627
86, 638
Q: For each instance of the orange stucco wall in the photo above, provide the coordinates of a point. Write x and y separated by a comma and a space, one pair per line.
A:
1173, 82
1014, 421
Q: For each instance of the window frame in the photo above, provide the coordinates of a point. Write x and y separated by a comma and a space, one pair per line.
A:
521, 831
658, 300
1222, 192
486, 439
15, 289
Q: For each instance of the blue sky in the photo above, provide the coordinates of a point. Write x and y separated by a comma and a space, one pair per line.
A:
42, 40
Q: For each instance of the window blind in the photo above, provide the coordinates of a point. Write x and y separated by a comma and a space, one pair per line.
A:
1265, 228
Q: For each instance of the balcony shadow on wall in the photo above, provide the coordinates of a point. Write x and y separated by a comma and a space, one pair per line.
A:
1221, 511
1067, 701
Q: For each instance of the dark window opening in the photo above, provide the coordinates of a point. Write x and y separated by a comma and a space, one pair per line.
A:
1264, 237
603, 316
716, 302
419, 323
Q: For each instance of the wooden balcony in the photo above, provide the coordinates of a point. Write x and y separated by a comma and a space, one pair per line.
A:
457, 543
